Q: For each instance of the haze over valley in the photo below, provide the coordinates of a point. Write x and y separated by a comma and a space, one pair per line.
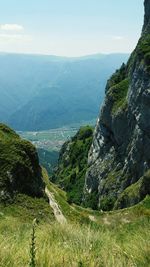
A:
46, 92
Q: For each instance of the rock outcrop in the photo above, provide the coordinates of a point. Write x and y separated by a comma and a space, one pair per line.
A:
20, 171
119, 158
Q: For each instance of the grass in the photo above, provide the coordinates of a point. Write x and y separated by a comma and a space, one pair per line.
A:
16, 227
90, 238
25, 209
106, 244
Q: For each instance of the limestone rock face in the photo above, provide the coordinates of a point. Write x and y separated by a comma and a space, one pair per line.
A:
120, 153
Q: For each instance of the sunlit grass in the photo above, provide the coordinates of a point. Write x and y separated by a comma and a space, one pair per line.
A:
115, 244
118, 238
75, 245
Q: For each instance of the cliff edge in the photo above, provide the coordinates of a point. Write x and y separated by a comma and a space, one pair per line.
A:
20, 171
119, 158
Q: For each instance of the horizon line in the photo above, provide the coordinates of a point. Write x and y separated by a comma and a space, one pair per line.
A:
61, 56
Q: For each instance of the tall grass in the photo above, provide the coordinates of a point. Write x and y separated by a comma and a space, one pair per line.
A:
76, 245
114, 239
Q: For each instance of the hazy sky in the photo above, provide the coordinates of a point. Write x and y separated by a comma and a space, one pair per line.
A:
70, 27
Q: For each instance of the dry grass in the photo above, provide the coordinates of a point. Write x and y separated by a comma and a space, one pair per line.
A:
124, 241
75, 245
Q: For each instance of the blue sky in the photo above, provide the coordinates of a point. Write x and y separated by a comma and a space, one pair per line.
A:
70, 27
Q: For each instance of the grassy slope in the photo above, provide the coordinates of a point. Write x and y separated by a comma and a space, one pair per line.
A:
118, 238
15, 228
19, 166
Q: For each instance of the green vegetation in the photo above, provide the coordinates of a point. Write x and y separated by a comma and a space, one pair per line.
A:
117, 87
134, 193
20, 171
49, 142
118, 238
73, 164
110, 187
48, 159
16, 226
118, 84
117, 77
90, 238
33, 246
107, 202
91, 200
25, 209
118, 94
143, 50
72, 212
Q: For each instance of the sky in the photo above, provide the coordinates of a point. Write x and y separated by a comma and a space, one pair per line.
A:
70, 27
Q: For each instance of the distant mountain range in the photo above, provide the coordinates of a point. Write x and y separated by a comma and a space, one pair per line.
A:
43, 92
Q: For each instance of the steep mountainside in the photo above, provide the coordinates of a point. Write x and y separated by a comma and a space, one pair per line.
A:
19, 167
119, 158
48, 159
72, 164
44, 92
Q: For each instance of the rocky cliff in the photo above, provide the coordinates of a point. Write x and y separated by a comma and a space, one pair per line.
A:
119, 158
19, 167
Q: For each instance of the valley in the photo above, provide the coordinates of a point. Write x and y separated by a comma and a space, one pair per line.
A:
75, 182
49, 143
47, 92
53, 139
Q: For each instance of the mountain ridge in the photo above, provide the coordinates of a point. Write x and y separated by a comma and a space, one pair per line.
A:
45, 92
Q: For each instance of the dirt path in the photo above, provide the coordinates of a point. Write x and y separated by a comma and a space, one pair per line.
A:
57, 212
